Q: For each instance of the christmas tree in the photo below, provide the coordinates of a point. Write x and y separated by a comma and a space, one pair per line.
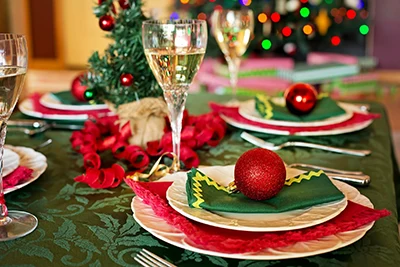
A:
293, 27
121, 74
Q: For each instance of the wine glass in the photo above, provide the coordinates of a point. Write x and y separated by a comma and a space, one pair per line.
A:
233, 31
13, 66
174, 51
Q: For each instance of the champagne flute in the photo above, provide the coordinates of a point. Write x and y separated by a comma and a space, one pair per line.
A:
174, 51
13, 66
233, 31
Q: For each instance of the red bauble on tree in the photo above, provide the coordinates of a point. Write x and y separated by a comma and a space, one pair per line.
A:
301, 98
260, 174
78, 89
126, 79
124, 4
106, 23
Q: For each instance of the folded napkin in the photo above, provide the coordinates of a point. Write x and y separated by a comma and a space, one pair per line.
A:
300, 192
230, 241
325, 108
65, 97
332, 140
20, 175
233, 114
49, 111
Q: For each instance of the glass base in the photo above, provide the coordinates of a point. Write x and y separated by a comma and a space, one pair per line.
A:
18, 224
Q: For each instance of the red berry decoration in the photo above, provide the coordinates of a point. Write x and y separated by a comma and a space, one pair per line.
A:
301, 98
126, 79
260, 174
106, 23
124, 4
78, 89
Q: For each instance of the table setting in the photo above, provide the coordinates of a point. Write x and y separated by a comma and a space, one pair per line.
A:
156, 174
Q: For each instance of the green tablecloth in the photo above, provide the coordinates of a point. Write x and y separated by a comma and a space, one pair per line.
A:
80, 226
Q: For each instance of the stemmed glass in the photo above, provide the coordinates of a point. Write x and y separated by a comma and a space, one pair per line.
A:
13, 66
233, 31
174, 51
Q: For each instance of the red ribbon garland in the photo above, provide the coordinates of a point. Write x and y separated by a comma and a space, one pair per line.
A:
102, 134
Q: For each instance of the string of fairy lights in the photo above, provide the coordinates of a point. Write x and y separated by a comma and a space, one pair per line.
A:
313, 20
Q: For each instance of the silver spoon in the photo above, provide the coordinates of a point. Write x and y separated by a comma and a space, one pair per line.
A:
45, 143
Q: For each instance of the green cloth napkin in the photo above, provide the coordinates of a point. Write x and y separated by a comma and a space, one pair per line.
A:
332, 140
324, 109
303, 191
66, 98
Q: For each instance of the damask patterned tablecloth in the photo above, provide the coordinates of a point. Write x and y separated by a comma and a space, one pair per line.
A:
80, 226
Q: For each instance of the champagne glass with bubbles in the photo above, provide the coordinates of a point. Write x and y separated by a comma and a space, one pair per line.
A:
233, 31
174, 51
13, 66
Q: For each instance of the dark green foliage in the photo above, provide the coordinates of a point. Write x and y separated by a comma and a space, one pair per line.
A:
125, 55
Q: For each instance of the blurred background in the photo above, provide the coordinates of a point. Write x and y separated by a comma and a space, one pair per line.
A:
348, 48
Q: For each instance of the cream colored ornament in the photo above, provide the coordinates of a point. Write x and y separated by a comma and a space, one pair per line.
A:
146, 117
315, 2
292, 5
352, 3
323, 22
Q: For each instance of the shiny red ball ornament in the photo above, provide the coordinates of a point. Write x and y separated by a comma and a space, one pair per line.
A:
126, 79
301, 98
106, 23
260, 174
78, 89
124, 4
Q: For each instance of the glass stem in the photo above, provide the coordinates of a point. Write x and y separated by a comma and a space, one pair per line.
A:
3, 208
176, 99
233, 66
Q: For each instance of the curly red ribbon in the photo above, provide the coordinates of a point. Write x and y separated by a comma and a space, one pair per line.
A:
105, 134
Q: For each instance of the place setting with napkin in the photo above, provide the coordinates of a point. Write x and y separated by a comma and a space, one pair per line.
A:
257, 209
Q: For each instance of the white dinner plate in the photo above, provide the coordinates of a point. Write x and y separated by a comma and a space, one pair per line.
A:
340, 130
49, 100
247, 110
336, 131
31, 159
252, 222
146, 217
26, 107
10, 161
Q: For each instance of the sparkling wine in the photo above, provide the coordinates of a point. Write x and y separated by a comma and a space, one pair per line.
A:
11, 83
174, 68
233, 42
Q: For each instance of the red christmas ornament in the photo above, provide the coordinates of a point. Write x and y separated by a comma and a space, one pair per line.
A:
124, 4
126, 79
106, 23
78, 89
260, 174
301, 98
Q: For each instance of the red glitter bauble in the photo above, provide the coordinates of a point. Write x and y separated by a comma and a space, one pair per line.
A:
126, 79
124, 4
106, 23
260, 174
78, 89
301, 98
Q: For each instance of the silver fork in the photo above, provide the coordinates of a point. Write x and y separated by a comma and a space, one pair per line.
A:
148, 259
261, 143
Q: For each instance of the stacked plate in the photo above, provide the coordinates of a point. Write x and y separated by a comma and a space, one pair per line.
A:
52, 107
246, 117
286, 221
16, 156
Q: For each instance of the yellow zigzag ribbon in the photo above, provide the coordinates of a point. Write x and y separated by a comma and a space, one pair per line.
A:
322, 95
197, 188
303, 176
266, 108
